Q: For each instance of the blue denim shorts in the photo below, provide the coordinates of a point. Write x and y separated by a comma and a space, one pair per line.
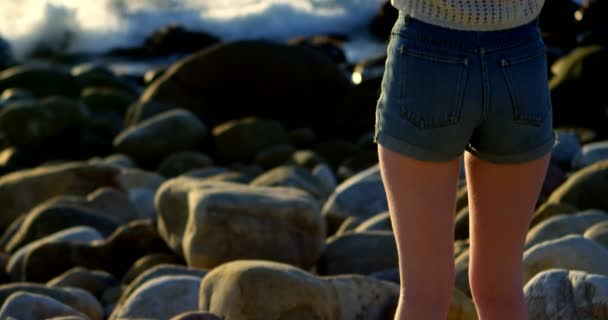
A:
449, 90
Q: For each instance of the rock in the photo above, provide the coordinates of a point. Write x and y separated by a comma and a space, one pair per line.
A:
325, 175
162, 297
381, 221
461, 263
169, 40
99, 75
129, 179
182, 162
16, 94
75, 234
363, 252
274, 156
584, 188
21, 191
566, 150
34, 123
251, 218
149, 261
567, 294
335, 150
561, 225
349, 224
52, 216
307, 159
554, 177
241, 289
591, 153
294, 101
93, 281
104, 99
119, 160
330, 45
115, 204
156, 137
295, 177
42, 81
598, 233
574, 84
30, 306
361, 160
195, 315
241, 139
568, 252
228, 221
362, 195
115, 254
159, 271
461, 224
78, 299
551, 209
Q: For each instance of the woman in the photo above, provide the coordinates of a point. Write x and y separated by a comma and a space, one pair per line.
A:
464, 75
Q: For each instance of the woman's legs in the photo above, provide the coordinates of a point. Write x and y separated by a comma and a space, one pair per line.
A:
501, 201
422, 198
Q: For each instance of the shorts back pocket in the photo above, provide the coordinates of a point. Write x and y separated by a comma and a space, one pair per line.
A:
525, 74
431, 87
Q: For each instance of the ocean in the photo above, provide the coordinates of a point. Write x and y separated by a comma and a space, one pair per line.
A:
96, 26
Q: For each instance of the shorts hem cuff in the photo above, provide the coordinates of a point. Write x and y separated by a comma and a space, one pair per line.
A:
411, 150
533, 154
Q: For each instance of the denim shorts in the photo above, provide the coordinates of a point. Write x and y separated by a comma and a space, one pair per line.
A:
449, 90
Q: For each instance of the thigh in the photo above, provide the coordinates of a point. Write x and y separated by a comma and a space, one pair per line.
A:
422, 197
502, 198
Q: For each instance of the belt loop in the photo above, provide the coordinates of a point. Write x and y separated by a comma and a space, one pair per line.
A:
537, 20
406, 19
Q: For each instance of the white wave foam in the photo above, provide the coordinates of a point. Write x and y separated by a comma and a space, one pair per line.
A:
99, 25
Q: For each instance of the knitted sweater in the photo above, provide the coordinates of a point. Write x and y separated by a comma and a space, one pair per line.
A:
478, 15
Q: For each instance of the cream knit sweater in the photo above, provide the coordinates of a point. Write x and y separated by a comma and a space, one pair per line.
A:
479, 15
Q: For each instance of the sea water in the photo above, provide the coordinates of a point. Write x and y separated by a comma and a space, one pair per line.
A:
96, 26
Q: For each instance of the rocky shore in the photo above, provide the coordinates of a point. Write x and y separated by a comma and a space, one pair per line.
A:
242, 183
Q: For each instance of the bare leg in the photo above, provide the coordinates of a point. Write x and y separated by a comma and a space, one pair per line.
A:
501, 202
422, 198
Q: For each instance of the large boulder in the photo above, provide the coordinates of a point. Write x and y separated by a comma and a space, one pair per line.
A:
560, 294
259, 289
212, 223
204, 83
